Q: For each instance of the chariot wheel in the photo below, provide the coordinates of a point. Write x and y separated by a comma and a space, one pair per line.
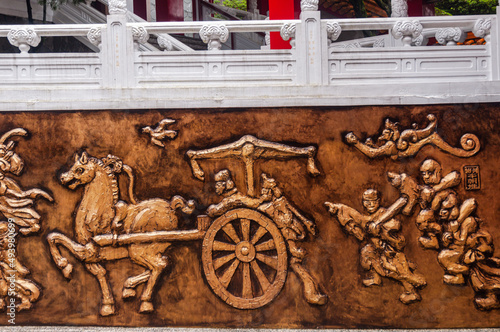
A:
244, 258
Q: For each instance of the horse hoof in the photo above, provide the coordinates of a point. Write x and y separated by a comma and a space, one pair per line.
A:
146, 307
107, 310
25, 305
67, 271
128, 293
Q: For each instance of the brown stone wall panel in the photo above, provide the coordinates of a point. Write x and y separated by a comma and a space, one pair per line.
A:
182, 296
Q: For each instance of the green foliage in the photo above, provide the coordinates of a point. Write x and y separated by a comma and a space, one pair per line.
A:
237, 4
54, 4
466, 7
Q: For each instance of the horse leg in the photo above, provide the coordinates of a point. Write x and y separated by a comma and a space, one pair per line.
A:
150, 257
133, 282
159, 263
108, 303
81, 252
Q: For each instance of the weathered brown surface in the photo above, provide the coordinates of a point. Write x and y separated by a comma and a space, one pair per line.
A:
182, 296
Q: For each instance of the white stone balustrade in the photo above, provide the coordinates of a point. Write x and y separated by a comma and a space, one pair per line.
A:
376, 70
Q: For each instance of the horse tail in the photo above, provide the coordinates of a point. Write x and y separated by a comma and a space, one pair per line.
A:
178, 202
130, 175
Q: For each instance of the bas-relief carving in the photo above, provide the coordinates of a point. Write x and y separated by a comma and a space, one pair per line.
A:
382, 253
251, 238
17, 206
397, 145
255, 232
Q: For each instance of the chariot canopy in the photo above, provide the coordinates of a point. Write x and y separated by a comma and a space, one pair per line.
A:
249, 149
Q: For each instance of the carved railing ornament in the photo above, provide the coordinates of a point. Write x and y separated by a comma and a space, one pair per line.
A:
379, 43
165, 43
309, 5
407, 30
287, 32
117, 7
18, 208
214, 35
161, 133
95, 36
23, 38
395, 144
420, 41
140, 36
333, 31
450, 36
482, 29
399, 8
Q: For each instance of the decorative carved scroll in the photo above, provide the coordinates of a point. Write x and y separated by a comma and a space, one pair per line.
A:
117, 7
214, 35
108, 228
450, 36
164, 43
249, 149
407, 30
287, 32
23, 38
399, 8
482, 28
161, 133
309, 5
140, 35
95, 36
18, 207
382, 243
333, 31
395, 144
450, 226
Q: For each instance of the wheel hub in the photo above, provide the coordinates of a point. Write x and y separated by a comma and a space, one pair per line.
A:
245, 251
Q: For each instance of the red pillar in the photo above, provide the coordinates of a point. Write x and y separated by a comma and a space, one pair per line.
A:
169, 10
280, 10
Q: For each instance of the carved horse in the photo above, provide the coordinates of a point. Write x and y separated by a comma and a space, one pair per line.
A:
101, 212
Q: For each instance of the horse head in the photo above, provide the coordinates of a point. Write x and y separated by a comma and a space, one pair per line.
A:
10, 162
81, 173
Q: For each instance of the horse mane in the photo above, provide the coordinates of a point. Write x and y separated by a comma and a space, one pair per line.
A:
110, 172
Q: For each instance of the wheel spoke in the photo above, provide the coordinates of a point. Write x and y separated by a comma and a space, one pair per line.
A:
228, 274
264, 283
268, 245
268, 260
260, 233
231, 232
247, 282
223, 260
245, 229
223, 246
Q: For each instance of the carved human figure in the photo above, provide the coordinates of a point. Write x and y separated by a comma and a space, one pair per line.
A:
13, 283
382, 252
433, 192
294, 227
18, 207
232, 198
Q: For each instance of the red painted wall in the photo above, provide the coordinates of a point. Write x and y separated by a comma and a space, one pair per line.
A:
140, 8
280, 10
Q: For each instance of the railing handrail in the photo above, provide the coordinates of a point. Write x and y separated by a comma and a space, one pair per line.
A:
53, 30
232, 26
385, 23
